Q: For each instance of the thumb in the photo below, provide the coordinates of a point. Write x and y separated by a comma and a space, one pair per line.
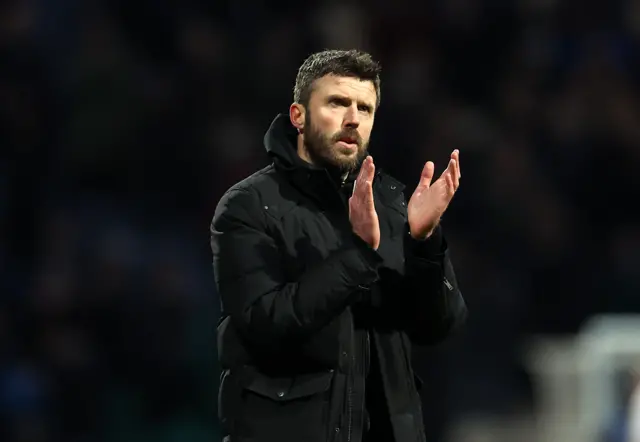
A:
427, 174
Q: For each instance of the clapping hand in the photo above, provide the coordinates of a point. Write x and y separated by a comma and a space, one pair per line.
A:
430, 200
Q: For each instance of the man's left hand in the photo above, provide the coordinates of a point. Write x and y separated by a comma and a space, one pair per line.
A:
430, 200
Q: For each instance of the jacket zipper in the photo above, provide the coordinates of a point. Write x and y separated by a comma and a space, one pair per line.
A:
345, 204
365, 368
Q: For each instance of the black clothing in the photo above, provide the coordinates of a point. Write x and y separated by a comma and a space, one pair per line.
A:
311, 314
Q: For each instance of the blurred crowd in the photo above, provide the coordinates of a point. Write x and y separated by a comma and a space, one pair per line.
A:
122, 123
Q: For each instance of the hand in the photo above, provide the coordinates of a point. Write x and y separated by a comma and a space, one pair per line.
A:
429, 201
362, 211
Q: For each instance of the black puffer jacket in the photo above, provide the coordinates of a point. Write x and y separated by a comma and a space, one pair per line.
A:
312, 316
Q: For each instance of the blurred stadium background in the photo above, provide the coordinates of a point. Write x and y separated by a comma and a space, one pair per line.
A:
122, 122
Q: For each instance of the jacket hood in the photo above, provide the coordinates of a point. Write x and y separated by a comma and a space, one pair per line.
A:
280, 141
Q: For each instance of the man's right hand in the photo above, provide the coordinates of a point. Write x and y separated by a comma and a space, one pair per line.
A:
362, 211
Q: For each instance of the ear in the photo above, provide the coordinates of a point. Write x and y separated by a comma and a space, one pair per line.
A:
297, 116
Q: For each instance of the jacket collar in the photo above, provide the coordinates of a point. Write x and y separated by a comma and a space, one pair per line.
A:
320, 183
280, 142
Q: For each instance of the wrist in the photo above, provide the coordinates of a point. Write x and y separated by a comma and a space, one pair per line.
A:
423, 236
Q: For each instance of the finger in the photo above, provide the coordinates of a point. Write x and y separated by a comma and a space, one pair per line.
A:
364, 187
363, 171
454, 175
427, 174
362, 177
371, 171
450, 170
457, 158
450, 185
369, 185
369, 198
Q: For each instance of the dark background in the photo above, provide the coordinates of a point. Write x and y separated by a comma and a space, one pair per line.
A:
123, 122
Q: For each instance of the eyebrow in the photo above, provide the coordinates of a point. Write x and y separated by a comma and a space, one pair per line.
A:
345, 99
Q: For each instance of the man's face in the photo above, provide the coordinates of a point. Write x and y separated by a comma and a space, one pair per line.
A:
339, 120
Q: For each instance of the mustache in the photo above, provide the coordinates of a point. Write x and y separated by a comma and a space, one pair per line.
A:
350, 134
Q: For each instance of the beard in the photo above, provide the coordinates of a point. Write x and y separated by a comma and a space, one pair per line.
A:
324, 152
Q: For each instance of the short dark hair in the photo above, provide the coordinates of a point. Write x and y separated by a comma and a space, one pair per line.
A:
343, 63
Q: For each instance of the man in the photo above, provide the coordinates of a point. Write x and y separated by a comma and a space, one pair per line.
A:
327, 276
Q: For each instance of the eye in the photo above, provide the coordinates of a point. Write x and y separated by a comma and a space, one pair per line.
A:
364, 108
339, 101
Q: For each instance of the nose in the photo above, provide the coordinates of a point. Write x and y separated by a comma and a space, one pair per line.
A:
351, 117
